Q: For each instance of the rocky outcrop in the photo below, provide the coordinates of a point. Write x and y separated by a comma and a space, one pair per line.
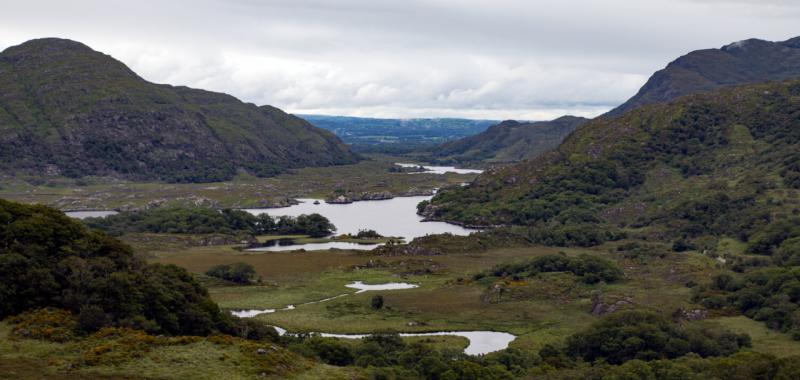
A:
602, 307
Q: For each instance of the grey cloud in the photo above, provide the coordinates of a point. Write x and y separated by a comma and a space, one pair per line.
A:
492, 59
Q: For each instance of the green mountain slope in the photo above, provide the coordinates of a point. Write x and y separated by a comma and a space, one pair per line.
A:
66, 109
748, 61
509, 141
720, 163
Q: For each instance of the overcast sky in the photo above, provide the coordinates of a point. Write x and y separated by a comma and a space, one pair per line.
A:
491, 59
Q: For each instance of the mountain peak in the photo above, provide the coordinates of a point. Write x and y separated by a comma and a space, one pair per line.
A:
47, 46
80, 112
63, 58
744, 44
742, 62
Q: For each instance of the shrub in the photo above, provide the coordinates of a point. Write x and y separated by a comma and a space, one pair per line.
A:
377, 302
629, 335
51, 324
591, 269
50, 260
368, 234
241, 273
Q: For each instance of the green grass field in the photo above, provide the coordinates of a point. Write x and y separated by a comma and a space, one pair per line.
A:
539, 310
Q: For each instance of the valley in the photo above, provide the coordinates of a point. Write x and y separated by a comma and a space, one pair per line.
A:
101, 193
155, 231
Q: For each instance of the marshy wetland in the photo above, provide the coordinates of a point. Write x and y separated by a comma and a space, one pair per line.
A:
450, 297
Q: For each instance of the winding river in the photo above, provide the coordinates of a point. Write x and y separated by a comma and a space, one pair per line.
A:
480, 342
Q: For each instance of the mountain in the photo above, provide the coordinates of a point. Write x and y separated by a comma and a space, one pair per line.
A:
509, 141
66, 109
366, 133
748, 61
720, 163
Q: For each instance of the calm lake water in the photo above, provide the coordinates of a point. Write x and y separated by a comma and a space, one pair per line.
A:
316, 247
89, 214
392, 217
480, 342
439, 169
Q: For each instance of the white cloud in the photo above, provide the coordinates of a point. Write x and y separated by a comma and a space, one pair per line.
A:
485, 59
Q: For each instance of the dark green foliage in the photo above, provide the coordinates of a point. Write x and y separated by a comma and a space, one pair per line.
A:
421, 206
682, 246
368, 234
376, 302
241, 273
50, 260
771, 238
388, 356
572, 235
314, 225
329, 351
770, 295
253, 329
591, 269
629, 335
69, 110
204, 220
721, 151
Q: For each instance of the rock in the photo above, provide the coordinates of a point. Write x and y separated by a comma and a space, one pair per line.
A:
690, 315
339, 200
599, 307
261, 351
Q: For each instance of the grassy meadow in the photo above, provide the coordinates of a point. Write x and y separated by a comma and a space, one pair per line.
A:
539, 310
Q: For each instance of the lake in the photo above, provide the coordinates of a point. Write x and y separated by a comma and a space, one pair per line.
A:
480, 342
429, 169
395, 217
88, 214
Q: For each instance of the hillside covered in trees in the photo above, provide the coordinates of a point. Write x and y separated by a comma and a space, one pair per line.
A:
717, 164
68, 110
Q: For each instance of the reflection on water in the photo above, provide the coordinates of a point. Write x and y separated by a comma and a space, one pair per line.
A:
480, 342
362, 287
392, 217
315, 247
89, 214
439, 169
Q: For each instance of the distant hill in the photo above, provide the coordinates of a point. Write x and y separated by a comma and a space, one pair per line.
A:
509, 141
720, 163
366, 134
66, 109
748, 61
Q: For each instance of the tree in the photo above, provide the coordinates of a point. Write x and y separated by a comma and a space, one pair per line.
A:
241, 273
377, 302
50, 260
